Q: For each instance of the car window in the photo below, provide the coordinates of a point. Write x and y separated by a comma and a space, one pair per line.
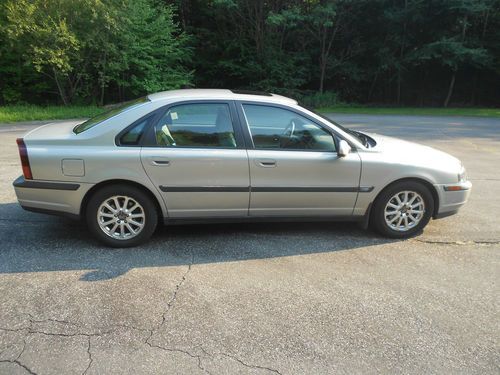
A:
107, 115
196, 125
133, 136
278, 128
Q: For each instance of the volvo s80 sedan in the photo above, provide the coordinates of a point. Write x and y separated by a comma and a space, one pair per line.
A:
220, 155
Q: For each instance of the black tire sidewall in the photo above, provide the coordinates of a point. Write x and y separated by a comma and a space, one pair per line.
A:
378, 219
150, 211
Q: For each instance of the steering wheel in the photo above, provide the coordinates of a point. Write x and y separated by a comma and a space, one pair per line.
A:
288, 138
290, 129
303, 140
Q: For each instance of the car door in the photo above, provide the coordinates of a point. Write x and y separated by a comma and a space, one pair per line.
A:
294, 166
197, 160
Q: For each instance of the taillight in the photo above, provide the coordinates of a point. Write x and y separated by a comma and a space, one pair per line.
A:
23, 153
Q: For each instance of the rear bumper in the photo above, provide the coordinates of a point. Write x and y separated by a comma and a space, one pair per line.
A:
51, 197
450, 201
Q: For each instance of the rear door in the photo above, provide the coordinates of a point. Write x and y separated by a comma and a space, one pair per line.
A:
197, 159
294, 166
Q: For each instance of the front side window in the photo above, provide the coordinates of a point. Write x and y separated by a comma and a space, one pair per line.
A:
278, 128
196, 125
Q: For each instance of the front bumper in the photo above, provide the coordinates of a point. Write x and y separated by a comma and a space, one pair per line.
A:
452, 197
52, 197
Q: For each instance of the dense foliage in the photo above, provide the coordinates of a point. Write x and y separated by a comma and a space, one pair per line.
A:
90, 50
411, 52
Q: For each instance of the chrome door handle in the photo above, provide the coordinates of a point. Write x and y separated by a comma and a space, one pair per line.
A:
160, 163
266, 163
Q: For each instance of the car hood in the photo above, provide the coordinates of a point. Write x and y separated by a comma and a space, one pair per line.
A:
405, 152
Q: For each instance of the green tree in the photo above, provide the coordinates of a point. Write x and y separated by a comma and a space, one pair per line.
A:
425, 52
153, 50
239, 44
452, 46
84, 45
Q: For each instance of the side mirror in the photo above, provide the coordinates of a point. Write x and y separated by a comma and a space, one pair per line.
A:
344, 148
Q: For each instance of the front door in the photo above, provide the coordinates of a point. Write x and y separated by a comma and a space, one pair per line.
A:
198, 161
294, 166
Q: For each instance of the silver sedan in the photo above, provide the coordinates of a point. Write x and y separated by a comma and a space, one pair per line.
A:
220, 155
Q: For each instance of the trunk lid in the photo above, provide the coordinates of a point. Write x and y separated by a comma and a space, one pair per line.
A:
55, 131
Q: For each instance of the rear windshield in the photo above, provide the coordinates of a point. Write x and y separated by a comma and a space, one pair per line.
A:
106, 115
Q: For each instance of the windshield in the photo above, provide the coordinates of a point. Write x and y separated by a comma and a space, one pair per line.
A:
108, 114
362, 138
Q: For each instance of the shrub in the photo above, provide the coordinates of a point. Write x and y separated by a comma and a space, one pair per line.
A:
320, 100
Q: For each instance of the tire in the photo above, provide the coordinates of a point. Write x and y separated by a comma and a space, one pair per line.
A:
387, 205
129, 208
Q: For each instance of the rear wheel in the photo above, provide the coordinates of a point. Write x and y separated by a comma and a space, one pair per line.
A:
403, 209
121, 216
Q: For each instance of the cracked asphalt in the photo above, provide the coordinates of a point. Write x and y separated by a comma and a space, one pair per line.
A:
290, 298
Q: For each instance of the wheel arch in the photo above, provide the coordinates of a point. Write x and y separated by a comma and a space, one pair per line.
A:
100, 185
427, 184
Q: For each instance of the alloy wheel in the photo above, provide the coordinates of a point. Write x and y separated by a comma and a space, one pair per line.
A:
404, 210
121, 217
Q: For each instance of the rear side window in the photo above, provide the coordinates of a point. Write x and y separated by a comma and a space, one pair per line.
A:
196, 125
133, 136
107, 115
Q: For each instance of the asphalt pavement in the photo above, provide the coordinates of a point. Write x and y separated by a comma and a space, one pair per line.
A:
283, 298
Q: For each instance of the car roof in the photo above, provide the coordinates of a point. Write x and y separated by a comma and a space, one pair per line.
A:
220, 94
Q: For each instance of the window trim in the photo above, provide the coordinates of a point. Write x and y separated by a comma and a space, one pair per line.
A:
149, 139
248, 134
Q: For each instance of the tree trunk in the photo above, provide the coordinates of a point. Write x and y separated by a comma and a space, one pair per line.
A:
322, 74
322, 62
372, 86
423, 75
399, 87
450, 89
453, 77
474, 89
103, 78
401, 53
101, 100
60, 88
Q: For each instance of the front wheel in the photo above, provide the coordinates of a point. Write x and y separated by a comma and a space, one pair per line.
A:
121, 216
403, 209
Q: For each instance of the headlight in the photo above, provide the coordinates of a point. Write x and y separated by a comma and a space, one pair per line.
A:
462, 176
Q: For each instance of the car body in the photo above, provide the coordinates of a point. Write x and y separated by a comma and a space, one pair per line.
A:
204, 155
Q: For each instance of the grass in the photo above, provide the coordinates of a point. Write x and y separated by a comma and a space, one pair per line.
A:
16, 113
486, 112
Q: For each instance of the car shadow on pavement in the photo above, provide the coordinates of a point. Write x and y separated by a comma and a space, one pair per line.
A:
39, 243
